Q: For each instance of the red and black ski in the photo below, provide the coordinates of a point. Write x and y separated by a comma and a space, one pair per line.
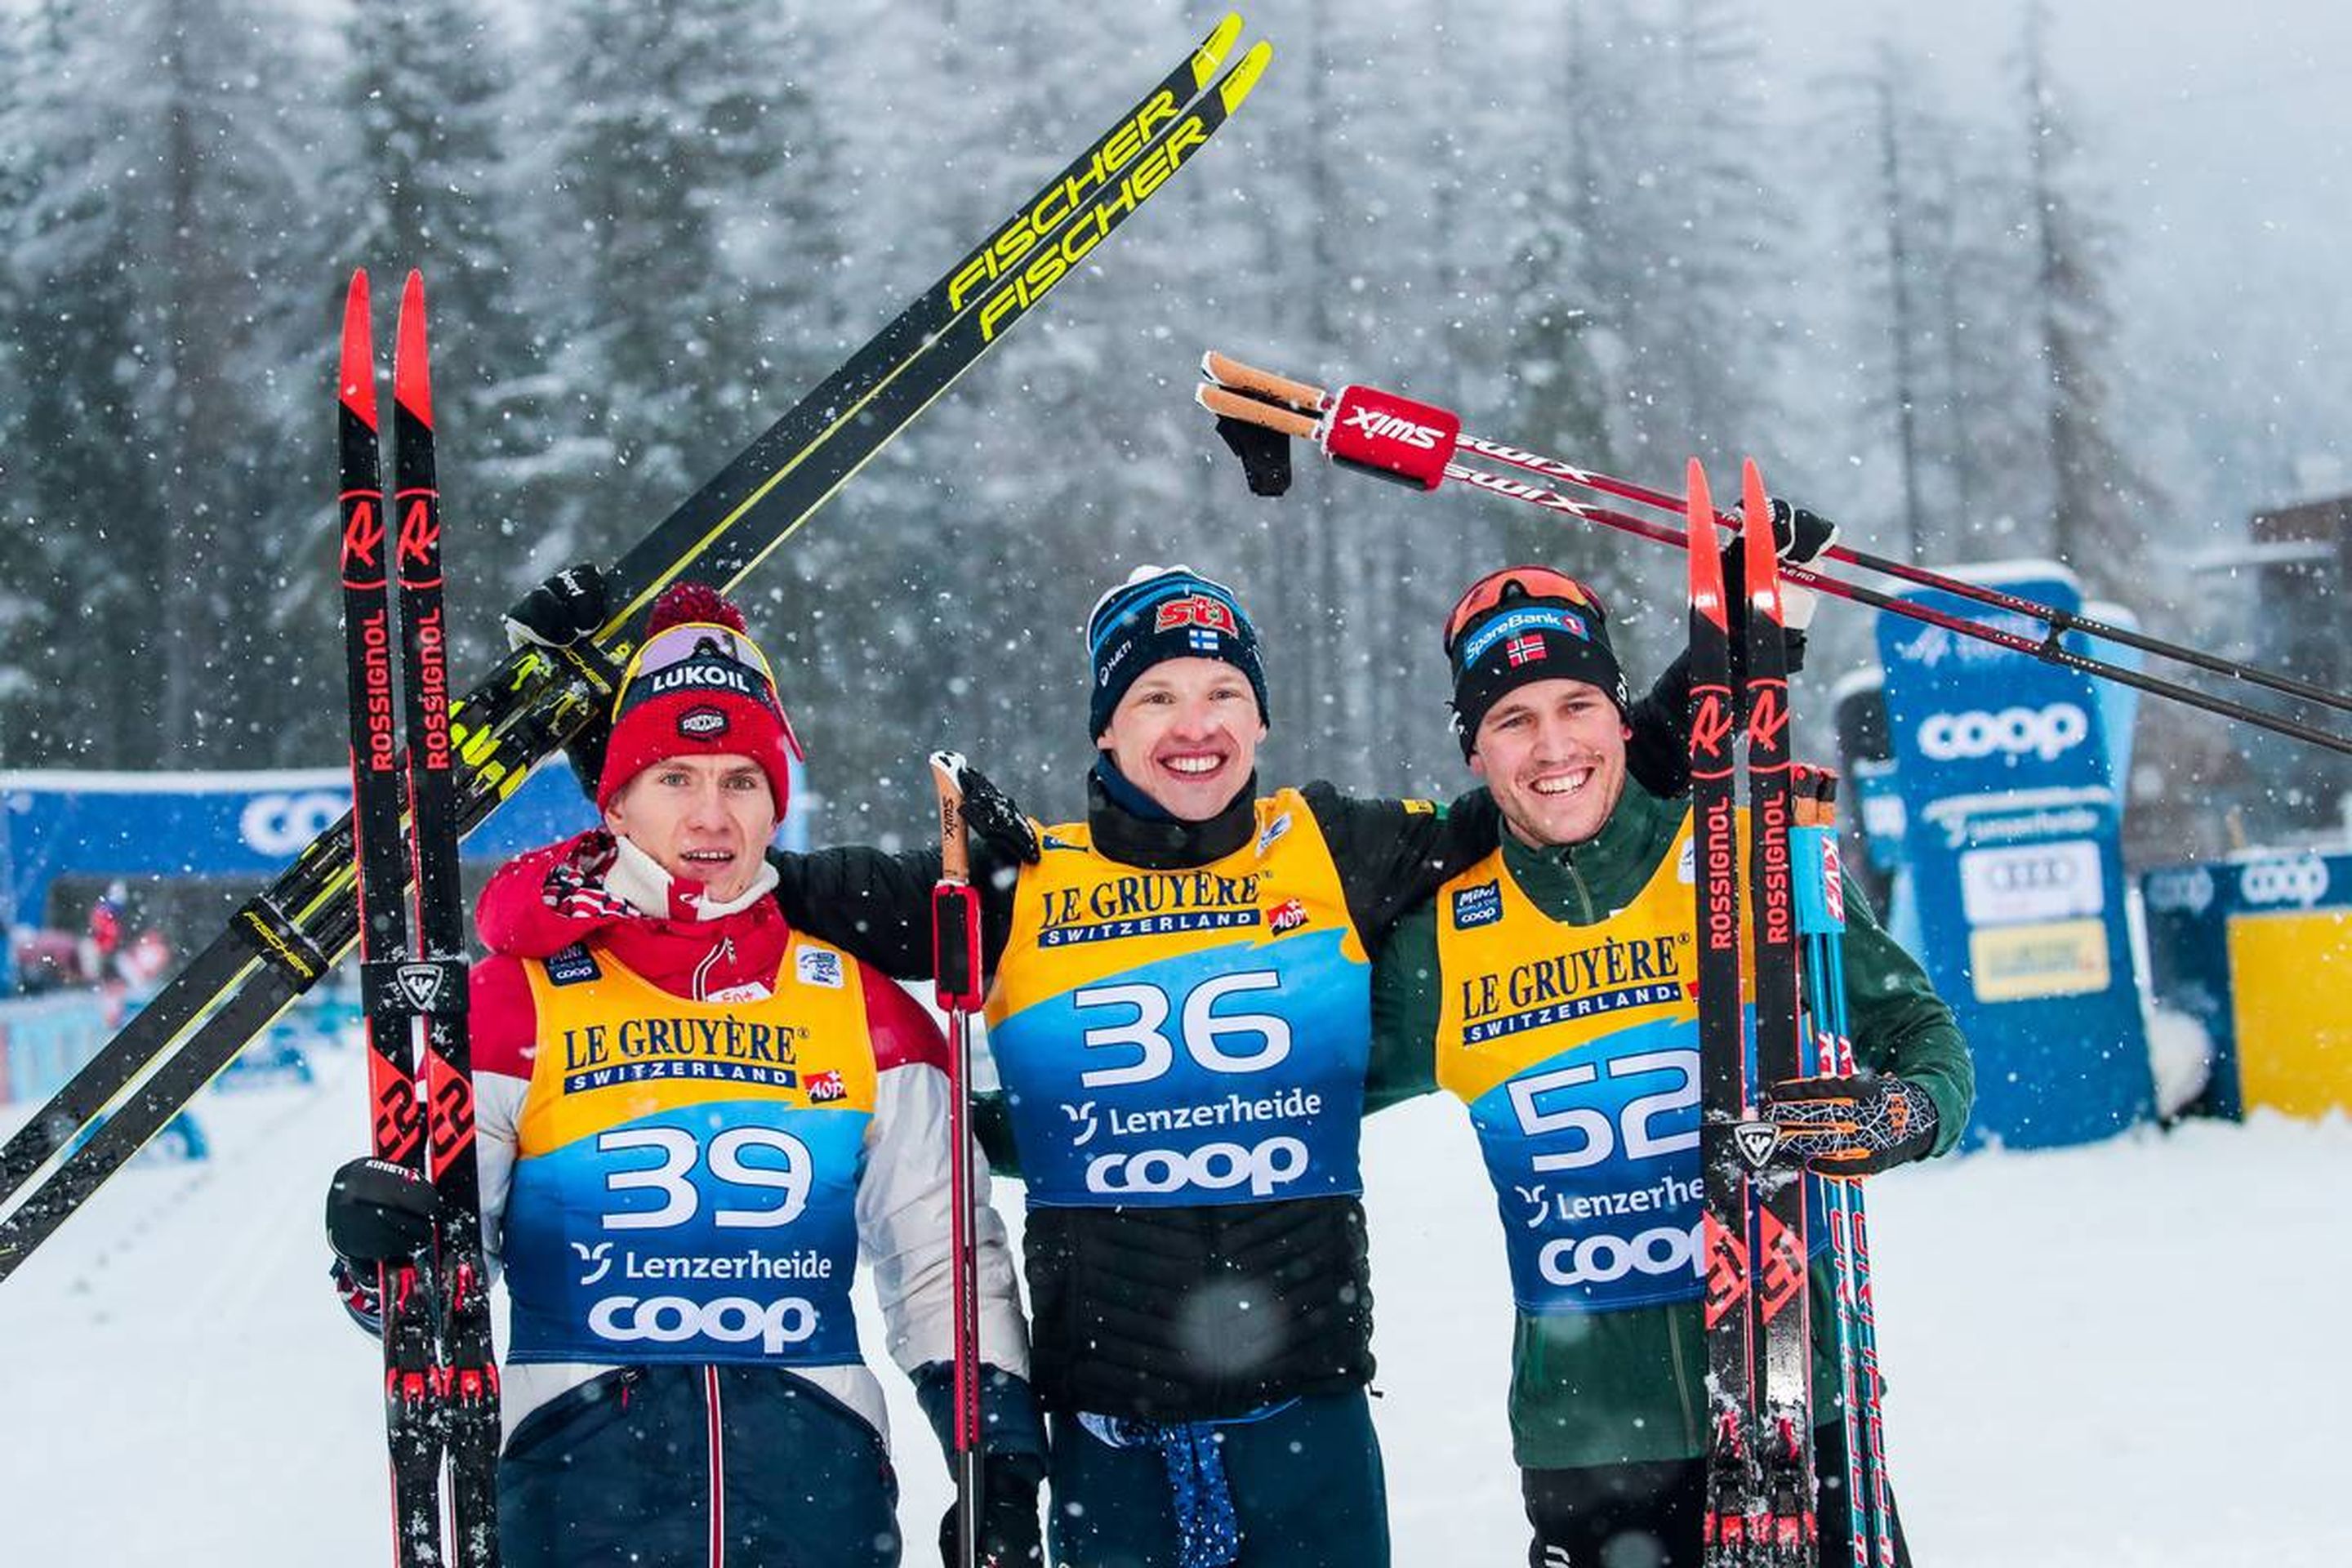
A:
411, 1369
1777, 1281
434, 982
1734, 1477
1759, 1492
440, 1365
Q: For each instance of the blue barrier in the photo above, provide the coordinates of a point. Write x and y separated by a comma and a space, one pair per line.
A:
44, 1040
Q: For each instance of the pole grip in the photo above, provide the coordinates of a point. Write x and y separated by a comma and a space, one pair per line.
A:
955, 945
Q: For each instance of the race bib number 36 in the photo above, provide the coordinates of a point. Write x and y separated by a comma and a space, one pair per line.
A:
1192, 1081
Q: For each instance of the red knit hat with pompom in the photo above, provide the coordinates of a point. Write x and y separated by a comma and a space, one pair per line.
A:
696, 686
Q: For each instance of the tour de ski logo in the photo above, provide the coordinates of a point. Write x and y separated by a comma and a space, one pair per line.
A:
1478, 906
574, 967
819, 966
1273, 830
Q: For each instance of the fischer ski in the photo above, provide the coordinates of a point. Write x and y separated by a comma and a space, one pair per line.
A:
282, 942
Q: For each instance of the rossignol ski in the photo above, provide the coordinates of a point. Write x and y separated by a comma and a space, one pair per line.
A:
1777, 1283
1759, 1507
406, 1292
1733, 1502
282, 942
466, 1369
440, 1366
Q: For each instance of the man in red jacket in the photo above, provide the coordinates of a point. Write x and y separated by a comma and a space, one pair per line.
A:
692, 1120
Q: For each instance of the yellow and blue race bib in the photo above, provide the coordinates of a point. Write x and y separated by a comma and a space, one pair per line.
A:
1576, 1049
1190, 1037
685, 1178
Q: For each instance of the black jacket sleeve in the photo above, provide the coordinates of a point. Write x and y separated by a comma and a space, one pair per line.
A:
1394, 854
878, 905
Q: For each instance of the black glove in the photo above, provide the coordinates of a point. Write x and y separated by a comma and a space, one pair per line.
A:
1265, 454
1799, 536
559, 611
1851, 1126
989, 812
356, 1289
1009, 1533
377, 1213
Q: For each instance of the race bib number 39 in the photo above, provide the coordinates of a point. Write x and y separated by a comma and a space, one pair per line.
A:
721, 1232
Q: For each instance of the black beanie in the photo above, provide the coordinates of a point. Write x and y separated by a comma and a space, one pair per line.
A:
1162, 613
1526, 625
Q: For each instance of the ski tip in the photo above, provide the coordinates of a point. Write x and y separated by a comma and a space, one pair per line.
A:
1212, 50
1753, 502
355, 376
1757, 542
412, 376
1243, 77
1698, 503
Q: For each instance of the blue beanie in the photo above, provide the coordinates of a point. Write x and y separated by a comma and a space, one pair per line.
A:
1162, 613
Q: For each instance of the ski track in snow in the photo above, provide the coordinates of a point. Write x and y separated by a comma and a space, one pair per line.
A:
2102, 1356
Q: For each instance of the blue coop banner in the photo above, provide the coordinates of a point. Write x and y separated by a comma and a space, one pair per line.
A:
2012, 846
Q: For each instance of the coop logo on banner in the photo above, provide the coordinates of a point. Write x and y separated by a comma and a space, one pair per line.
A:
2267, 884
276, 824
2044, 733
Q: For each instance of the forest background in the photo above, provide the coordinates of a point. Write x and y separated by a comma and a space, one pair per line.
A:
2062, 283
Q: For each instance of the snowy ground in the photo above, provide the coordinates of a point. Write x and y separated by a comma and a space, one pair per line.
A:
2107, 1356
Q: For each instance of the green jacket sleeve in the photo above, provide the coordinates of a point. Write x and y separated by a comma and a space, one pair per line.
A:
1898, 1023
1405, 998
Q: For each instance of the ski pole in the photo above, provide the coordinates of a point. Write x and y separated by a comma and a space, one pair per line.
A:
955, 951
1820, 919
1415, 443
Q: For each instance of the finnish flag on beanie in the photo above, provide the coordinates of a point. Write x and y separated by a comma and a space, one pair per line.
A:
1162, 613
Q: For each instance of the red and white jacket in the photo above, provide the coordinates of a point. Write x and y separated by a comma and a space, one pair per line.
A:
606, 893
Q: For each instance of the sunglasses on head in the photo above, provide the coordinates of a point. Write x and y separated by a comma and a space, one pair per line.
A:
1498, 588
679, 644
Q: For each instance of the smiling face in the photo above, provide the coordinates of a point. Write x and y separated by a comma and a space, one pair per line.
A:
1187, 734
704, 819
1553, 752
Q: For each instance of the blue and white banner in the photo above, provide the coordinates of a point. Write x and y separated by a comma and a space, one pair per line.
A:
2012, 846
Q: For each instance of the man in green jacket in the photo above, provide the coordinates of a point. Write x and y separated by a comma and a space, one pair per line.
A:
1549, 987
